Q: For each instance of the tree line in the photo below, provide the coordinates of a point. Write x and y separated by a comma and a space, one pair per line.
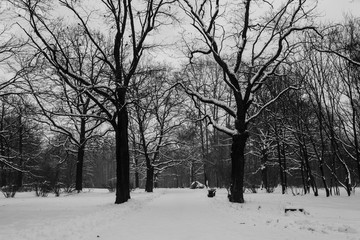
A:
265, 97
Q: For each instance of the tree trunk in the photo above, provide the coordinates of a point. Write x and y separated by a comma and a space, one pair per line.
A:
282, 164
122, 152
321, 158
305, 187
333, 182
135, 161
348, 186
156, 180
310, 178
357, 149
307, 174
284, 167
3, 181
80, 158
192, 178
19, 179
137, 182
238, 167
281, 167
149, 187
264, 169
354, 129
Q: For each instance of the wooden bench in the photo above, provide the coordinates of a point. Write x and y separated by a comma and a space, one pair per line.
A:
293, 209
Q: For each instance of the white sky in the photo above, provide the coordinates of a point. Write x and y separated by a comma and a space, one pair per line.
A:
334, 10
329, 10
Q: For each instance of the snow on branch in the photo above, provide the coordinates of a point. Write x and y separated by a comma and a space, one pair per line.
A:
339, 55
221, 128
204, 99
271, 102
13, 166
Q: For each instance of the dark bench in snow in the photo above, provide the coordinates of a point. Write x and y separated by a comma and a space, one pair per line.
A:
294, 209
211, 192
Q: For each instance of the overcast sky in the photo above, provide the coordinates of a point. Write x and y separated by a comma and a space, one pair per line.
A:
334, 10
330, 10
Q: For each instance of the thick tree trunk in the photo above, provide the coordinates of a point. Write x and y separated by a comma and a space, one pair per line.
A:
80, 158
122, 153
79, 169
149, 187
238, 167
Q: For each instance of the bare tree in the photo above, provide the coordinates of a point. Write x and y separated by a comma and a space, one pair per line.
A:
208, 82
341, 88
66, 110
128, 25
9, 75
19, 141
10, 46
342, 41
248, 53
157, 117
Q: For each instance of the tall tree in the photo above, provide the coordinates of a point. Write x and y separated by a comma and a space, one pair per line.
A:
66, 110
342, 41
19, 141
128, 24
157, 116
249, 52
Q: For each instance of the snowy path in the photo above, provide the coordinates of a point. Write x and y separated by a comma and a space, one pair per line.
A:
178, 214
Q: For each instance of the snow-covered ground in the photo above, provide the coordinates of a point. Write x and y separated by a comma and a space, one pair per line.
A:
173, 214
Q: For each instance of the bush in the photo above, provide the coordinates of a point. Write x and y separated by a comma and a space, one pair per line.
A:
253, 188
57, 188
9, 190
295, 191
270, 189
26, 188
68, 188
42, 189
